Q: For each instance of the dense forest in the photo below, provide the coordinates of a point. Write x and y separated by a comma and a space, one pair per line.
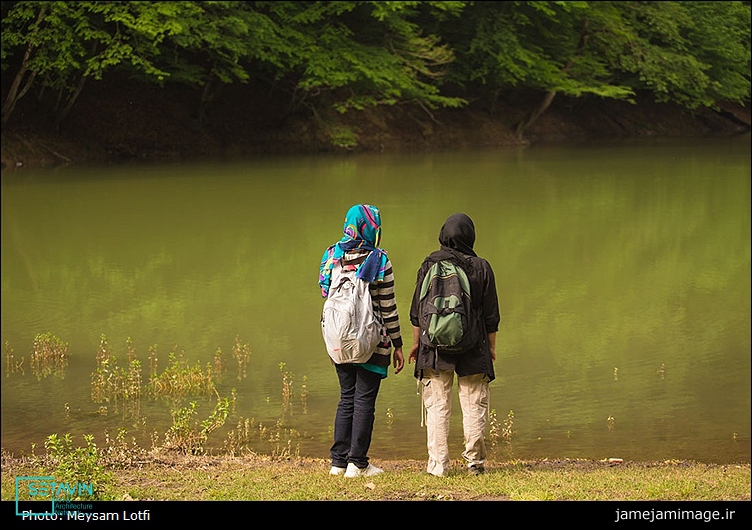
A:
134, 79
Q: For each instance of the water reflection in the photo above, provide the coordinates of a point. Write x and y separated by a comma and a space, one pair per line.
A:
623, 275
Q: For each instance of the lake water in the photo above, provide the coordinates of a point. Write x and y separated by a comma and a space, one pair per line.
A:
623, 273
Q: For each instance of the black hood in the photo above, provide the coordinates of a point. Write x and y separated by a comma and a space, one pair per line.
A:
458, 233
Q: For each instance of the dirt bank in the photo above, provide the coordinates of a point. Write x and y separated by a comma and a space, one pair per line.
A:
127, 122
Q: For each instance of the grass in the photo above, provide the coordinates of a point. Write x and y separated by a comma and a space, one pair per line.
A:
257, 477
178, 468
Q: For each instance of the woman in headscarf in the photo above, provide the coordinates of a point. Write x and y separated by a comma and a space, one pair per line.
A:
360, 382
474, 368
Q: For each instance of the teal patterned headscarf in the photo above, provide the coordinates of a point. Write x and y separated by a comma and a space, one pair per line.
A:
362, 230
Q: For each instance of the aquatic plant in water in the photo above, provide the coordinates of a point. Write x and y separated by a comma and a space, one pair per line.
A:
112, 385
241, 353
115, 388
187, 435
49, 356
181, 379
12, 366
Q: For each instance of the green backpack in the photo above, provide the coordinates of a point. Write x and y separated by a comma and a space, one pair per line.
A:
445, 313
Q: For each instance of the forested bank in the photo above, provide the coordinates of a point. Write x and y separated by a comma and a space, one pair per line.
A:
128, 126
123, 81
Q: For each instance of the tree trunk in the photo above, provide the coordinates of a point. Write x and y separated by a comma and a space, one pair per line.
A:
13, 92
549, 97
70, 102
207, 98
528, 121
73, 97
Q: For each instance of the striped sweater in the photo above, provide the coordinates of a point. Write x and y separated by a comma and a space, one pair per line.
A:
382, 296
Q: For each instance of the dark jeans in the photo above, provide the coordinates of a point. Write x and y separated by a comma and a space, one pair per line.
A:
353, 424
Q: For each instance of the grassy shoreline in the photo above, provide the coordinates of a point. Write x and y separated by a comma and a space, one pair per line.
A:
256, 477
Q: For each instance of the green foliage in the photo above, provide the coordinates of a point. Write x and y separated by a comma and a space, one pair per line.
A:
113, 386
360, 54
691, 53
181, 379
719, 37
58, 45
49, 356
357, 54
186, 435
344, 137
74, 465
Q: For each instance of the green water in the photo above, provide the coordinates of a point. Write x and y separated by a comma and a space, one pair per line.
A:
623, 273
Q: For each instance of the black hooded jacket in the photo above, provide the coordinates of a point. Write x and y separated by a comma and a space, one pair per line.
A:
457, 238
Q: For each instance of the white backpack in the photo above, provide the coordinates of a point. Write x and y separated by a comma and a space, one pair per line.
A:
350, 327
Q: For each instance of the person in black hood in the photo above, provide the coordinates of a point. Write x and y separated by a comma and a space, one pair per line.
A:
474, 367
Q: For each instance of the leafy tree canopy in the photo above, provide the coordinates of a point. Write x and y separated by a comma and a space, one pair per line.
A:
356, 54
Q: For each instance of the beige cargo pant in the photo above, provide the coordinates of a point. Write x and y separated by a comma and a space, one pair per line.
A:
437, 409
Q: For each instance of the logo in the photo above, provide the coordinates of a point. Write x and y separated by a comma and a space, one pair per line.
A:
47, 488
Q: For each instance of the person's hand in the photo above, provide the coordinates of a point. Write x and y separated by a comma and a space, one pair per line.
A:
413, 356
399, 360
492, 345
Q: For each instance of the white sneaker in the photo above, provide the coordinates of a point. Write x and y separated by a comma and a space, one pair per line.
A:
369, 471
337, 470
